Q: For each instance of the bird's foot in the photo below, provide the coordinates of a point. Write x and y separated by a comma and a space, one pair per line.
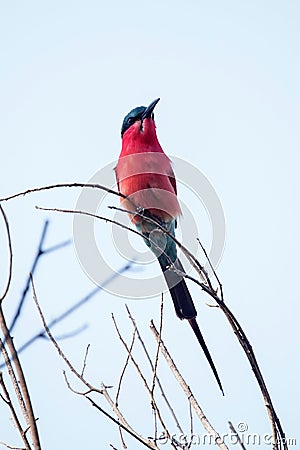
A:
159, 221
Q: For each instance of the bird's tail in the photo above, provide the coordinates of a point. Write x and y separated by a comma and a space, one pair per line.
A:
185, 309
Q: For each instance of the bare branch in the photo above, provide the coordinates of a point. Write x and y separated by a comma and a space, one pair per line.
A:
5, 291
85, 359
158, 345
11, 446
7, 399
74, 390
39, 253
122, 439
212, 268
114, 448
56, 247
42, 333
153, 402
105, 219
277, 431
186, 389
12, 375
60, 352
152, 367
122, 422
121, 418
69, 334
191, 424
62, 185
33, 268
207, 287
190, 257
237, 435
198, 267
155, 365
139, 438
20, 387
125, 367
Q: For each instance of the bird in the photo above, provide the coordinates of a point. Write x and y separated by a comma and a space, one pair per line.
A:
148, 192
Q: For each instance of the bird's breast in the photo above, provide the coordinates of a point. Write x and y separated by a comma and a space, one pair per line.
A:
145, 179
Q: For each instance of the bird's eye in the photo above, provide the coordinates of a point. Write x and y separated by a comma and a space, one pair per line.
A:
130, 120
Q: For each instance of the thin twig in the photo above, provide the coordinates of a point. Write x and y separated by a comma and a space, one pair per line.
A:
122, 422
5, 291
125, 367
42, 333
71, 185
39, 253
54, 342
25, 400
190, 257
158, 345
139, 438
122, 438
277, 431
72, 389
207, 287
7, 399
236, 434
85, 359
55, 247
11, 446
191, 425
13, 377
121, 418
152, 367
69, 334
62, 185
212, 268
187, 390
105, 219
153, 402
114, 448
194, 262
155, 366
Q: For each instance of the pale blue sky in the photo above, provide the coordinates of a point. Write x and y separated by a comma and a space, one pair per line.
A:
228, 77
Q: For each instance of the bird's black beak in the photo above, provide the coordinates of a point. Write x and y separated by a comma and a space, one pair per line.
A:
149, 110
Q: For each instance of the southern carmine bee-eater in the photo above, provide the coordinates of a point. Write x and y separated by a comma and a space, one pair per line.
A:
145, 177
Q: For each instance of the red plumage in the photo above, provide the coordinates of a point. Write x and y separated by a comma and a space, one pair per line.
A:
144, 173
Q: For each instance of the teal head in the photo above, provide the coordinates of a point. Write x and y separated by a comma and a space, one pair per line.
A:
138, 113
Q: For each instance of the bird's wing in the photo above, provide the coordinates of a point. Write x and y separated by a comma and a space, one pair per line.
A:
172, 179
117, 178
